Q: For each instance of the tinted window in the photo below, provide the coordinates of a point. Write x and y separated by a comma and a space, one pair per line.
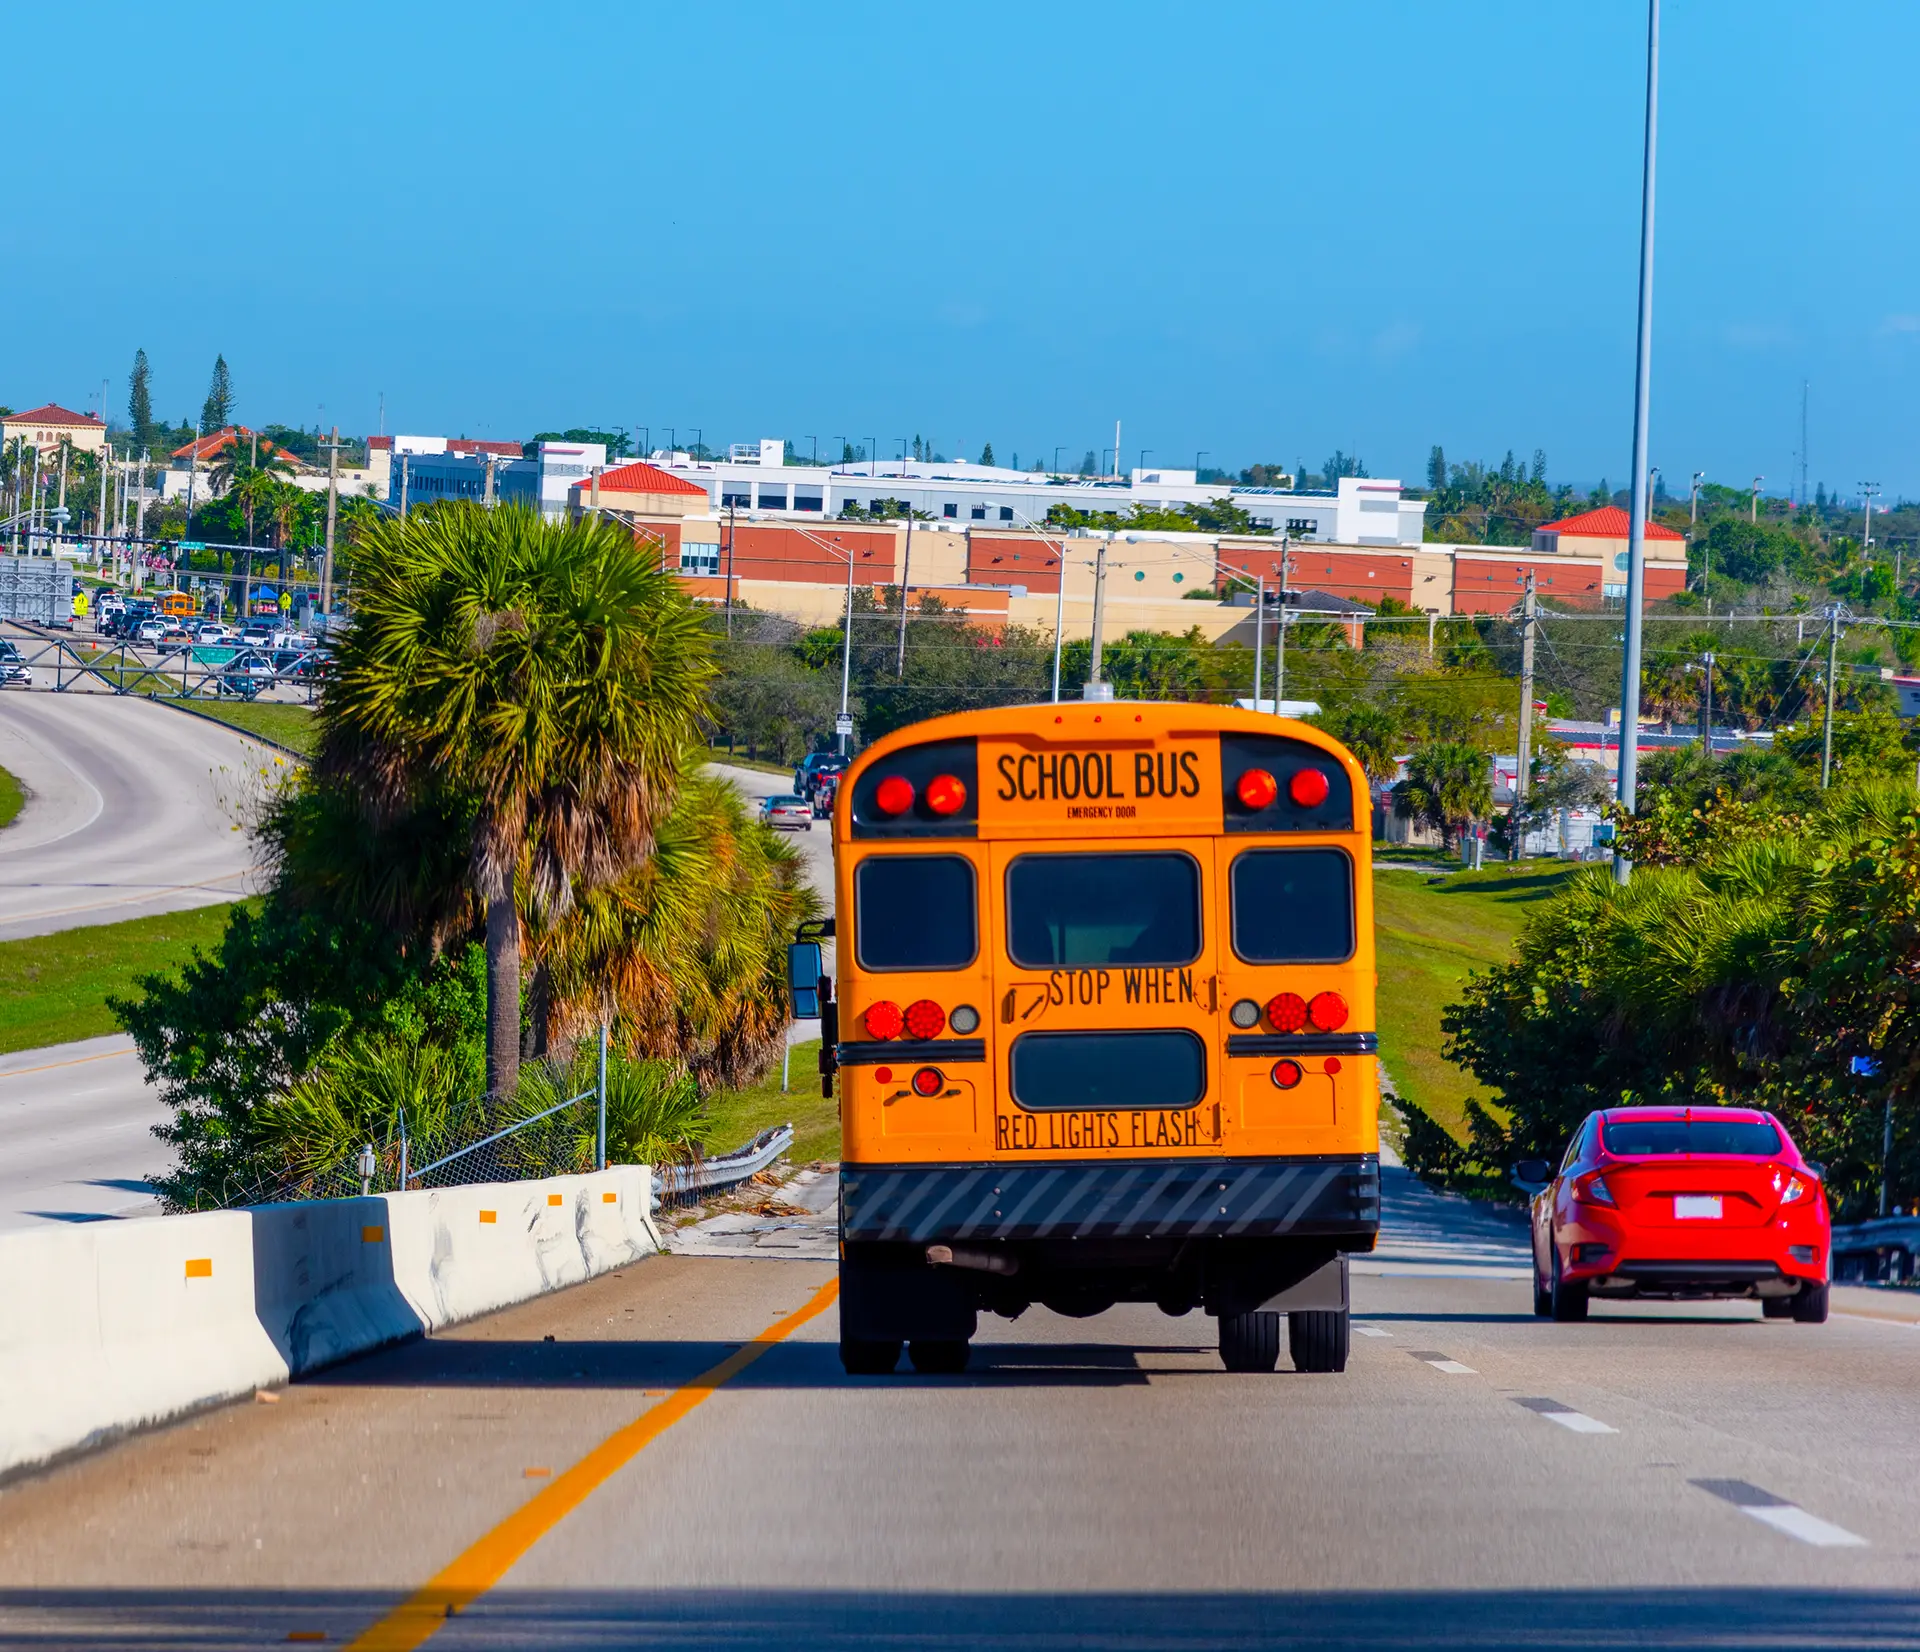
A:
1293, 906
1069, 1071
914, 912
1635, 1138
1082, 911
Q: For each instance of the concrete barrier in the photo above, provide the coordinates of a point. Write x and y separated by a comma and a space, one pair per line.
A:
112, 1326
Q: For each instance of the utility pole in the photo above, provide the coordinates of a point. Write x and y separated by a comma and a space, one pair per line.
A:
730, 514
1523, 772
1642, 400
846, 661
1693, 504
1867, 492
1706, 732
403, 487
333, 515
488, 498
1753, 503
1826, 734
1280, 646
906, 567
1097, 687
1259, 634
1116, 450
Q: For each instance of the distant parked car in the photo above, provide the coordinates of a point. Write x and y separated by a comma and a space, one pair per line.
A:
815, 764
788, 813
257, 635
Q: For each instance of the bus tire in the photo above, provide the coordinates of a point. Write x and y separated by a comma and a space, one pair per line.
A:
938, 1358
1810, 1306
861, 1358
1318, 1340
1250, 1342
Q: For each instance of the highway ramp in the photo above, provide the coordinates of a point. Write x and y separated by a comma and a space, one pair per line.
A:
132, 810
598, 1469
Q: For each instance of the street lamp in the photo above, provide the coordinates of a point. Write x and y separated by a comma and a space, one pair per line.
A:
1868, 490
1753, 503
1693, 504
843, 724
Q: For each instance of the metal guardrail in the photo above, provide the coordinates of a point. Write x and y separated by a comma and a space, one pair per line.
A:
728, 1169
1885, 1250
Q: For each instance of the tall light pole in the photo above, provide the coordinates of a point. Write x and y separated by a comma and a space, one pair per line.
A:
1867, 492
1753, 502
1693, 504
1280, 646
1642, 399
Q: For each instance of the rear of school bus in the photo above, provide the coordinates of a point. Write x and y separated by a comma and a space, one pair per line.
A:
1104, 1028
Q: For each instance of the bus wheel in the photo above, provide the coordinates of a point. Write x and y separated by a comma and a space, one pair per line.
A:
940, 1358
1318, 1340
1250, 1342
868, 1359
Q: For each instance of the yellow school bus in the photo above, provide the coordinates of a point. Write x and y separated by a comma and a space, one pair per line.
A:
1102, 1018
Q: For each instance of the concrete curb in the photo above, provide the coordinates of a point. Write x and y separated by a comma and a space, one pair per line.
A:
114, 1326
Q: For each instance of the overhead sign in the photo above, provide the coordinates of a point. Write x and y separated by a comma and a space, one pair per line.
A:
193, 544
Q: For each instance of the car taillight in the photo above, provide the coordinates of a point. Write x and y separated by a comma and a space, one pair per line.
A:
1328, 1011
928, 1081
925, 1018
894, 795
1308, 788
1592, 1190
1796, 1189
946, 794
1287, 1012
882, 1020
1256, 789
1286, 1074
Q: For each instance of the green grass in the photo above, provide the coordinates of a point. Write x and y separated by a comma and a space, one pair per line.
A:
740, 1115
13, 798
285, 725
1431, 933
54, 988
719, 754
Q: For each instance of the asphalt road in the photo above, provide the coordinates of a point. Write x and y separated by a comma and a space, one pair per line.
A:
816, 846
132, 810
1654, 1478
76, 1134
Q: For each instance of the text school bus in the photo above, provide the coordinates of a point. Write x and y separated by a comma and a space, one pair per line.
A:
1103, 1018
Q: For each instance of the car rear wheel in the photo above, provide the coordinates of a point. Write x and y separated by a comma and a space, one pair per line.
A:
1318, 1340
1568, 1300
1810, 1306
1776, 1307
1250, 1342
860, 1358
1542, 1298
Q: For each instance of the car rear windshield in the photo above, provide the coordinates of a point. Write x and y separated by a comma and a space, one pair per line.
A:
1293, 906
1084, 911
914, 912
1655, 1138
1068, 1072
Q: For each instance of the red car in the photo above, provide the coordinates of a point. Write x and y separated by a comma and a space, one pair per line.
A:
1680, 1203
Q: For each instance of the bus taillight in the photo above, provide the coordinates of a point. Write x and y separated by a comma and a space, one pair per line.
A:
946, 794
925, 1018
1286, 1074
1328, 1011
928, 1081
1287, 1012
1256, 789
894, 795
882, 1020
1308, 788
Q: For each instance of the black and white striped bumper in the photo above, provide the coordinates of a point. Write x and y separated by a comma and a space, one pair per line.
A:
1113, 1199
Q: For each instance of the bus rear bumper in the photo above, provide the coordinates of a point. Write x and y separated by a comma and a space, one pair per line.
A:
1334, 1197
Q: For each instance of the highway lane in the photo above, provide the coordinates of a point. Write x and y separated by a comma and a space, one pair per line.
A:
1656, 1477
132, 811
816, 846
76, 1134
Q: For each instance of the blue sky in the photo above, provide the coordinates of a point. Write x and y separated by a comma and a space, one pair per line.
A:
1264, 230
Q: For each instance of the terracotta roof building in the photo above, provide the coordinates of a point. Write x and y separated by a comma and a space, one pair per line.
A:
47, 427
206, 449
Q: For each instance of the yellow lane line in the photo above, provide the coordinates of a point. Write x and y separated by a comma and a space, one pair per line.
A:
215, 886
75, 1061
414, 1621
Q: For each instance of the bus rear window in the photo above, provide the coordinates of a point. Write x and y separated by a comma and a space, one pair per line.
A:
914, 912
1085, 911
1660, 1138
1292, 906
1068, 1071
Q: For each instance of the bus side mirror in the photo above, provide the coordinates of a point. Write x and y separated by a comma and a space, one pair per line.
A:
804, 967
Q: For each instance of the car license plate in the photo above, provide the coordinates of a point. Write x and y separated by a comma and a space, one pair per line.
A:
1696, 1207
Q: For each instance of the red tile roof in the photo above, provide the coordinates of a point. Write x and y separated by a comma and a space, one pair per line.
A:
380, 444
1608, 522
209, 447
504, 450
54, 413
645, 478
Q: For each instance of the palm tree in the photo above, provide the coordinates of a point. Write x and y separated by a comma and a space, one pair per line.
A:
546, 676
252, 477
1449, 785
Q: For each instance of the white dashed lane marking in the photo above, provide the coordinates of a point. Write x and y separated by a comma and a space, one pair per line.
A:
1576, 1422
1370, 1331
1781, 1515
1441, 1362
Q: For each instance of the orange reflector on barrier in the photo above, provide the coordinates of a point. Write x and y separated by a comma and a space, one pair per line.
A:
372, 1236
199, 1267
489, 1215
609, 1198
555, 1199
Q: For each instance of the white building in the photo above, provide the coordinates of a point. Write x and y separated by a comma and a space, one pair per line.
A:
757, 478
425, 468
